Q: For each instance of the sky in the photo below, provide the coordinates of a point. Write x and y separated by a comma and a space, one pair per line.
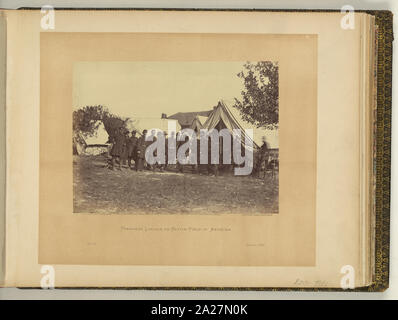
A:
148, 89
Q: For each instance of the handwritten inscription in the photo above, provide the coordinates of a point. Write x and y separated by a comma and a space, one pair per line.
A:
255, 244
175, 229
307, 283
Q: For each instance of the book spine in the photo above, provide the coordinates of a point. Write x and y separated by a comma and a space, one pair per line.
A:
3, 55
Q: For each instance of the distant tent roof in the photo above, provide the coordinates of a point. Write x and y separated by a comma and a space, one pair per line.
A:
186, 118
202, 119
197, 123
222, 113
155, 123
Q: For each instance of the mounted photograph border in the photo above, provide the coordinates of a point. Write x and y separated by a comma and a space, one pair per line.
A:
384, 22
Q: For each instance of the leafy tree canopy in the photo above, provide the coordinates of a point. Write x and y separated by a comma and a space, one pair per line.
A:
259, 103
86, 121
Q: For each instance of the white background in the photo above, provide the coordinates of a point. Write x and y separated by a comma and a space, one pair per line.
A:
391, 293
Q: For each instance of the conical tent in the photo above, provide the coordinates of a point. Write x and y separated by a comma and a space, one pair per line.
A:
202, 119
100, 137
197, 124
221, 118
232, 115
271, 135
98, 142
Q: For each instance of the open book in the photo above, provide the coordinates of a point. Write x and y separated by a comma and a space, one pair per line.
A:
207, 149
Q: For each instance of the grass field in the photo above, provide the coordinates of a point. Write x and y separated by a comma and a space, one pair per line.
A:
100, 190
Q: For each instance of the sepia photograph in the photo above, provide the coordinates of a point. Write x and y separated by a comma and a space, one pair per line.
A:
176, 137
196, 149
183, 149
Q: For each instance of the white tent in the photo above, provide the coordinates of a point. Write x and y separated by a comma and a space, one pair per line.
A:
222, 118
91, 145
233, 120
99, 137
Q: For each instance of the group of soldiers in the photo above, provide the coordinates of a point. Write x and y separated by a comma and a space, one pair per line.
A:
127, 146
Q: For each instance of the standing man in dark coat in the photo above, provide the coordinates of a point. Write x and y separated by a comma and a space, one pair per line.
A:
180, 167
151, 139
117, 148
141, 147
163, 167
262, 156
125, 155
131, 149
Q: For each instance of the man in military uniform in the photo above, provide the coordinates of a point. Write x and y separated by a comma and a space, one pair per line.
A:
163, 167
125, 154
131, 149
151, 139
171, 141
141, 147
212, 168
261, 158
118, 141
180, 167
